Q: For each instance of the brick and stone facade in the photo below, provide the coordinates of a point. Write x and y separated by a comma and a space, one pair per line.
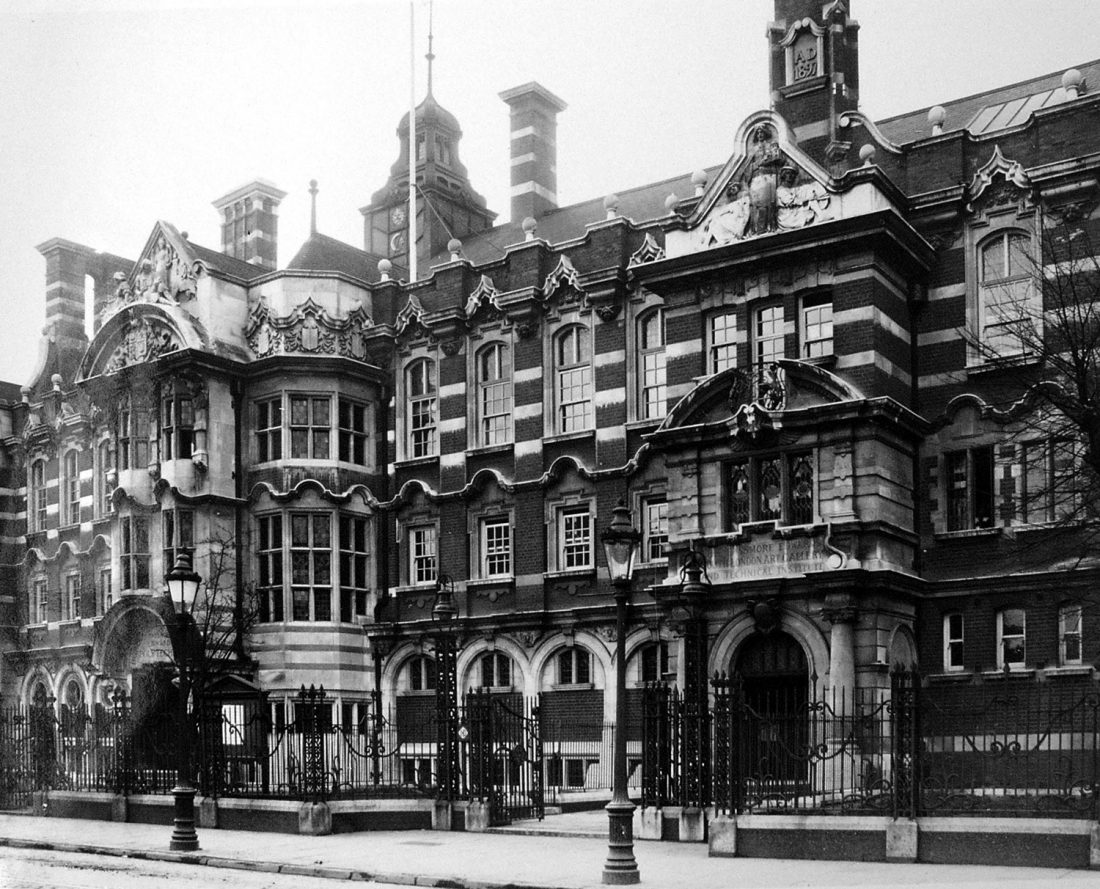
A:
775, 362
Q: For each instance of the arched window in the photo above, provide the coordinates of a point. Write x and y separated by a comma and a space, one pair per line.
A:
421, 416
494, 395
573, 380
574, 666
73, 713
494, 670
1007, 315
71, 487
40, 695
38, 494
651, 365
420, 673
654, 663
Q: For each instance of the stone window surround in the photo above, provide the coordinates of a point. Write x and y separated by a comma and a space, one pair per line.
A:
981, 228
569, 318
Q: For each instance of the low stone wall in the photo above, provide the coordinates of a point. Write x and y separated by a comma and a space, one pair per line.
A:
274, 816
1034, 842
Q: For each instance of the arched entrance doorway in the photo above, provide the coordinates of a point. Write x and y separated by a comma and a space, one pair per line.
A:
774, 673
774, 694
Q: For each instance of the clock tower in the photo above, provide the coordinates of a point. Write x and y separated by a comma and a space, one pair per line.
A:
446, 206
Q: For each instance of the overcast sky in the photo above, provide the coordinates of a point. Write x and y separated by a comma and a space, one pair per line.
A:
116, 113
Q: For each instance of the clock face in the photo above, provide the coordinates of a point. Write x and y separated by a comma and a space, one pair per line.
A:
397, 216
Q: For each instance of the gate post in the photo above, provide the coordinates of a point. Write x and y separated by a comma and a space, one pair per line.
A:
314, 815
120, 731
902, 834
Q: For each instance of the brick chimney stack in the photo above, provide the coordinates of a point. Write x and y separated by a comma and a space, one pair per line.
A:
534, 127
250, 222
66, 267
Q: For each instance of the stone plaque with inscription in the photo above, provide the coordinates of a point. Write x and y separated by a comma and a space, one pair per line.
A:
762, 556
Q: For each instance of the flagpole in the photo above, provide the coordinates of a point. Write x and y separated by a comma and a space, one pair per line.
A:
412, 141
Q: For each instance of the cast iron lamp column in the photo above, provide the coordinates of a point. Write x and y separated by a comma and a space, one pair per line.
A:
620, 543
183, 587
444, 613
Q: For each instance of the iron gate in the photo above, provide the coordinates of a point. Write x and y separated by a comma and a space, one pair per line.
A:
505, 755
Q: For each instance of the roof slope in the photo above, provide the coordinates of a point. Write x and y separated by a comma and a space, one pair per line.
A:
320, 253
641, 204
238, 268
961, 113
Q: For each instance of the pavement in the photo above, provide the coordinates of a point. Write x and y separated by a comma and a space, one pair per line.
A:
561, 855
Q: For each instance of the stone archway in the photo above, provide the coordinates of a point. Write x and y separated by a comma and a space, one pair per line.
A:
775, 694
774, 673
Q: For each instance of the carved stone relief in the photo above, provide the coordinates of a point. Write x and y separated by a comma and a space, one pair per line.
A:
162, 276
308, 329
768, 196
145, 339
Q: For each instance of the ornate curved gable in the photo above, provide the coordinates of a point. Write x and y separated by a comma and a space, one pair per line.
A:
788, 385
769, 186
137, 334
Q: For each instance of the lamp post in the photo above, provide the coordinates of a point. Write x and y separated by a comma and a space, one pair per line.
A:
696, 735
620, 543
183, 587
444, 613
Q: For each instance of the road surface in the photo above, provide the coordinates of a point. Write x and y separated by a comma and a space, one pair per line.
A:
32, 869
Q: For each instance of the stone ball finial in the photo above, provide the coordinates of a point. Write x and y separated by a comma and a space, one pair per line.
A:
699, 180
25, 391
937, 114
1071, 83
529, 227
185, 236
384, 268
56, 380
867, 154
611, 205
671, 201
454, 247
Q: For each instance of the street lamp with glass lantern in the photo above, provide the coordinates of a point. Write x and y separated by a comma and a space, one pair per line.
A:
444, 613
620, 543
183, 588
